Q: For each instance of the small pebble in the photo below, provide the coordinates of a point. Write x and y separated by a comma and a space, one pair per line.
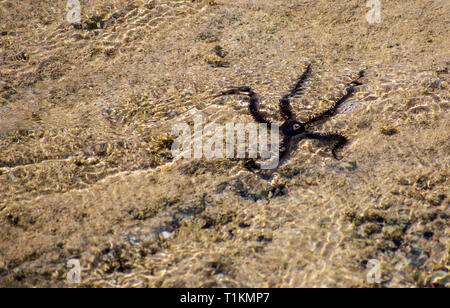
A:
166, 234
133, 240
350, 165
441, 278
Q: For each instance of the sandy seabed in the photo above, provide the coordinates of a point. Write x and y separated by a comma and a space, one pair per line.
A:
86, 171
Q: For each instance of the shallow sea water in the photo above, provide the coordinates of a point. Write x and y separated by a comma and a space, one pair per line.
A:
86, 170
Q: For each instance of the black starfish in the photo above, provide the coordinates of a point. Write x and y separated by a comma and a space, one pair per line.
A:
291, 127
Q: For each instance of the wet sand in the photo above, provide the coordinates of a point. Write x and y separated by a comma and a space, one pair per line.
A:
86, 170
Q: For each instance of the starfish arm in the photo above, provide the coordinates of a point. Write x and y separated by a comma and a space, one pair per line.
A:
285, 146
339, 139
253, 105
285, 107
314, 120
